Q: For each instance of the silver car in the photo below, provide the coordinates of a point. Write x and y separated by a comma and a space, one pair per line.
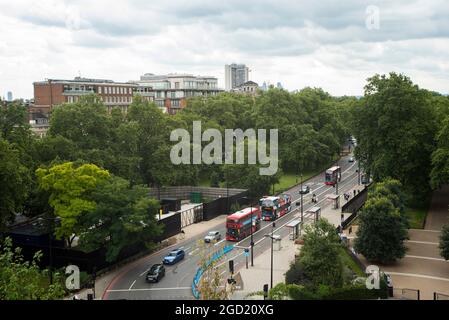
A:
212, 236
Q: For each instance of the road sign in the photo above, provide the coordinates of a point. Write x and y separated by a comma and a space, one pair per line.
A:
246, 253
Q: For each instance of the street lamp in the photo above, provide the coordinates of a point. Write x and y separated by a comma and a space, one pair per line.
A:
272, 240
302, 203
50, 244
252, 239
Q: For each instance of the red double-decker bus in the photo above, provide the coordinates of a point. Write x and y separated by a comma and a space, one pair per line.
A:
332, 175
238, 224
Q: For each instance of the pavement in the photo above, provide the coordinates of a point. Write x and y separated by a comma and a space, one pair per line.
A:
423, 268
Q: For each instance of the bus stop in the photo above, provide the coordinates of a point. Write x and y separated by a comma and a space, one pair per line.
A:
294, 225
316, 212
335, 198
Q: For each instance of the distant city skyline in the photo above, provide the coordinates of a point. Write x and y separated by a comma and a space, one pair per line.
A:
324, 44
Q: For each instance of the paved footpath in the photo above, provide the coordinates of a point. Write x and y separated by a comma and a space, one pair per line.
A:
423, 268
192, 231
254, 278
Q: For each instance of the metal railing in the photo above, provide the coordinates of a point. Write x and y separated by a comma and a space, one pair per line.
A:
440, 296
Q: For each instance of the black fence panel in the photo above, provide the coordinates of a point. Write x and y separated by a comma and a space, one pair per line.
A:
171, 226
356, 202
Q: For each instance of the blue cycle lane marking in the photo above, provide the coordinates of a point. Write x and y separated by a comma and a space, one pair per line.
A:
200, 270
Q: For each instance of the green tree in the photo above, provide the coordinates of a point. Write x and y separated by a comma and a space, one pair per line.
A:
381, 233
70, 188
440, 157
123, 216
444, 242
391, 189
85, 123
319, 261
395, 126
14, 180
24, 280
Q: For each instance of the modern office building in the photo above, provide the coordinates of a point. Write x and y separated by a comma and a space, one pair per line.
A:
170, 92
9, 96
235, 75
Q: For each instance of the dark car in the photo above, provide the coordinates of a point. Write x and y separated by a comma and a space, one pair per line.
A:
156, 273
174, 256
305, 189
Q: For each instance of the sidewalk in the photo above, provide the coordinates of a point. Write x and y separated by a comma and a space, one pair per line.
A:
255, 277
191, 231
422, 268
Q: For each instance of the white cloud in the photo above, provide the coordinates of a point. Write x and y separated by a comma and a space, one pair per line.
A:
324, 44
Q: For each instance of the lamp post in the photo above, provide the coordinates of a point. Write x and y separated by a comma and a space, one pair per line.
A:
251, 230
302, 203
272, 240
358, 172
252, 240
50, 242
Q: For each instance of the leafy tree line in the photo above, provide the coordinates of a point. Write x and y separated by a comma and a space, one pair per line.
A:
402, 133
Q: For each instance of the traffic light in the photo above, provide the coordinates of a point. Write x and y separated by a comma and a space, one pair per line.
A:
231, 266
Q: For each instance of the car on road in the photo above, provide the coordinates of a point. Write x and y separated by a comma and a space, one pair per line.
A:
351, 159
156, 273
174, 256
305, 189
212, 236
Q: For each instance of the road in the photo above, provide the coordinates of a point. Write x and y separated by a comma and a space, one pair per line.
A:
176, 285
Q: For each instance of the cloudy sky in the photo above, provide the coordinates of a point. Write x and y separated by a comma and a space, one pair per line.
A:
331, 44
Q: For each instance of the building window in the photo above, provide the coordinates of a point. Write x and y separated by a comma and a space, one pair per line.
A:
99, 90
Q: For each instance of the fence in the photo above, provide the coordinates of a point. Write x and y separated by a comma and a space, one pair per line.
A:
356, 202
440, 296
191, 216
183, 192
406, 294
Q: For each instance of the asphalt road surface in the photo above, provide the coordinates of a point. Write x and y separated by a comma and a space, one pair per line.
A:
176, 285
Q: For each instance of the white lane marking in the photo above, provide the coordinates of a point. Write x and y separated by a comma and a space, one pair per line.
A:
187, 249
219, 242
132, 285
144, 272
191, 253
425, 258
422, 242
150, 289
416, 275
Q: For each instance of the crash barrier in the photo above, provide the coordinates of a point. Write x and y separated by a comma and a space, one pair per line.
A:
199, 272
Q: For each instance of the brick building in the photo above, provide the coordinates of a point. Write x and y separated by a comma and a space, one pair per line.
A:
52, 92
